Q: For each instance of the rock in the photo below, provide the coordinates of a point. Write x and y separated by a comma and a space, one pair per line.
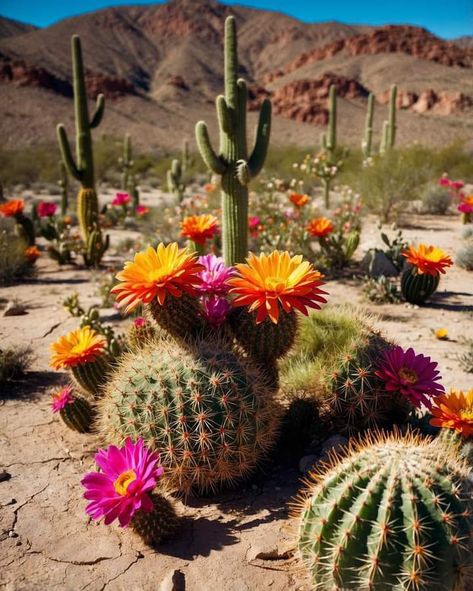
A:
427, 100
178, 82
375, 263
14, 309
174, 581
12, 534
4, 476
281, 551
110, 86
306, 463
333, 444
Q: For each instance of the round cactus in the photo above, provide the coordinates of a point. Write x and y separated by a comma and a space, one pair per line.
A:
204, 409
395, 514
78, 414
417, 288
92, 375
156, 526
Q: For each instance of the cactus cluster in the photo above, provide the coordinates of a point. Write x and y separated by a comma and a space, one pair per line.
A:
82, 168
395, 514
232, 161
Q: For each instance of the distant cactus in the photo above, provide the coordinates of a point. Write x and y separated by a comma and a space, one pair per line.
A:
417, 288
329, 144
82, 169
395, 514
63, 183
128, 180
203, 408
186, 159
390, 127
175, 182
367, 142
232, 161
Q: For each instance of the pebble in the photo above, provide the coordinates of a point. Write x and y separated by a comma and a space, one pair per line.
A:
174, 581
14, 309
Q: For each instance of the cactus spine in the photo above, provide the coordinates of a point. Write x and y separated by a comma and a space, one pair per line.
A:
394, 515
367, 143
416, 287
203, 408
232, 161
82, 169
158, 525
78, 415
390, 127
63, 183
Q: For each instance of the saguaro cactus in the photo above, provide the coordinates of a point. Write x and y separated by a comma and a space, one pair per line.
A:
176, 185
128, 181
329, 144
63, 183
232, 162
82, 168
389, 127
367, 142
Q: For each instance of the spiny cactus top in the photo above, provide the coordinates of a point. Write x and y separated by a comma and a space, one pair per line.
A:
267, 282
429, 260
394, 515
77, 347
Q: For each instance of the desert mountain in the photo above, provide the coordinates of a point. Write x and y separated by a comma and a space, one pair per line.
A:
161, 66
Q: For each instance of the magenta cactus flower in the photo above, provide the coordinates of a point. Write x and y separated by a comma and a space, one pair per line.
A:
139, 322
122, 487
44, 209
62, 398
121, 199
215, 310
414, 376
215, 276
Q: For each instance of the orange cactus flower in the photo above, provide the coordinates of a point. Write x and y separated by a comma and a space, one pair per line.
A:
77, 347
429, 260
199, 227
298, 200
32, 254
12, 208
454, 411
155, 273
266, 281
209, 187
320, 227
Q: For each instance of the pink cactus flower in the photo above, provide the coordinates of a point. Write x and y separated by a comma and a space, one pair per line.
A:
253, 222
215, 310
215, 275
121, 488
444, 181
139, 322
121, 199
413, 376
457, 185
62, 398
45, 209
141, 210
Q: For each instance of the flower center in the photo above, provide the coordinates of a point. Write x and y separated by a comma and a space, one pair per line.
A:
156, 275
275, 284
122, 483
78, 348
408, 375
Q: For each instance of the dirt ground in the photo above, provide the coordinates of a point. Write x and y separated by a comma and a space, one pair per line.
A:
238, 541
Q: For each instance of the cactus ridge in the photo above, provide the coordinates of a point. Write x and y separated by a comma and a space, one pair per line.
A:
205, 410
79, 415
394, 515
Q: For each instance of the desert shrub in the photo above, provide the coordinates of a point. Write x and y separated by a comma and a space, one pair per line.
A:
14, 362
466, 359
436, 199
387, 182
13, 261
382, 290
467, 233
464, 257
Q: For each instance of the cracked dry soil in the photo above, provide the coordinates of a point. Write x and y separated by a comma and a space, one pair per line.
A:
238, 541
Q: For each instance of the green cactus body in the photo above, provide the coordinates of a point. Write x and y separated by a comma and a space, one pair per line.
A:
390, 127
329, 140
175, 181
157, 526
63, 183
357, 398
185, 156
82, 169
92, 375
95, 247
393, 515
78, 415
232, 162
416, 287
181, 317
367, 143
202, 408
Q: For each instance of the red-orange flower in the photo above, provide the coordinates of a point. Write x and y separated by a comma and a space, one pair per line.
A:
32, 254
454, 411
429, 260
153, 274
298, 200
267, 281
12, 208
199, 227
320, 227
77, 347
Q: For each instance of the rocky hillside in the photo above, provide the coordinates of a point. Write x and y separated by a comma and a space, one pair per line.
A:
160, 67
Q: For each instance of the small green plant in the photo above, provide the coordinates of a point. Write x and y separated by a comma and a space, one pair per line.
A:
14, 362
382, 290
436, 199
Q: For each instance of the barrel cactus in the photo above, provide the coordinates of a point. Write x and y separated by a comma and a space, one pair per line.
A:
421, 277
395, 514
76, 412
204, 409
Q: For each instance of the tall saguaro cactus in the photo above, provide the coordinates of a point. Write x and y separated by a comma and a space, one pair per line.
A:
128, 180
232, 162
329, 144
82, 167
389, 126
367, 142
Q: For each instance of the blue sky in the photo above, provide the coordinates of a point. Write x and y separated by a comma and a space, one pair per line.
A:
446, 19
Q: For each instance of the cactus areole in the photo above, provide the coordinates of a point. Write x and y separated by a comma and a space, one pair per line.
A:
233, 163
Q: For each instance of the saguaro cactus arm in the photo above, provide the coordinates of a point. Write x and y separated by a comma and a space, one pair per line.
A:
263, 132
66, 152
211, 159
98, 113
